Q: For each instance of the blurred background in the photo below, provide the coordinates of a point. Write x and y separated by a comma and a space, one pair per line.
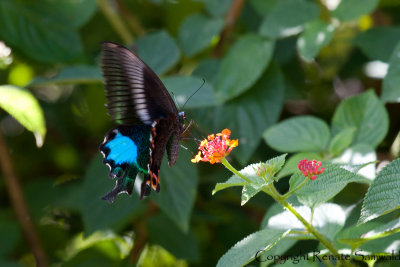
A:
263, 61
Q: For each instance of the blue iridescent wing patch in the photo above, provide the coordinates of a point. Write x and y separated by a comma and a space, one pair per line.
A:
126, 151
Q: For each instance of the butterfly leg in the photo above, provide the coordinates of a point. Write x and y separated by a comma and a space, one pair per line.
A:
186, 128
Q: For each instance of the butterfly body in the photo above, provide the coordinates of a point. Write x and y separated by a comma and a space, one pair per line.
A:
150, 123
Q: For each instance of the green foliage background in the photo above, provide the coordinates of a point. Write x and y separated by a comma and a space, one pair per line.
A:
282, 59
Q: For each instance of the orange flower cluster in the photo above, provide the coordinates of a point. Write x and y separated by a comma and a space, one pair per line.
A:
310, 168
215, 147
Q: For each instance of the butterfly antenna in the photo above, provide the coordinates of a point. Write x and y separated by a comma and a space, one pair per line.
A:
204, 81
176, 102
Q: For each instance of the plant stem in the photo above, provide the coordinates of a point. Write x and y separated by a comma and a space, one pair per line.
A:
232, 169
131, 19
141, 234
110, 11
326, 242
285, 196
230, 21
19, 205
271, 190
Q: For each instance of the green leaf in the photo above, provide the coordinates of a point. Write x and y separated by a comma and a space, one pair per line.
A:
208, 70
10, 231
275, 165
381, 238
41, 33
264, 7
317, 34
236, 180
183, 87
352, 9
388, 38
117, 246
353, 235
383, 194
328, 219
284, 245
270, 167
217, 8
326, 186
24, 107
98, 214
75, 12
252, 246
103, 248
384, 229
72, 75
248, 116
51, 196
159, 50
197, 32
341, 140
250, 172
277, 208
301, 133
373, 236
178, 189
164, 232
388, 245
358, 155
274, 209
155, 255
391, 88
250, 190
291, 165
288, 17
243, 65
367, 114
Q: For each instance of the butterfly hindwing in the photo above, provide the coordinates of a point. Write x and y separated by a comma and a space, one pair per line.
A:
161, 132
126, 152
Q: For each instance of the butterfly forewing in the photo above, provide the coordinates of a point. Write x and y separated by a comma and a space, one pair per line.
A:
134, 92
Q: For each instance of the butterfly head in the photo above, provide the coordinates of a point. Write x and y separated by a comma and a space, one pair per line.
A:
181, 117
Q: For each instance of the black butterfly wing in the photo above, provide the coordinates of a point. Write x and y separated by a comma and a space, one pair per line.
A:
136, 95
134, 92
126, 152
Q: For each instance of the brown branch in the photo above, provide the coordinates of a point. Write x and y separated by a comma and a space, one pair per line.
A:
19, 205
130, 19
140, 241
230, 21
141, 235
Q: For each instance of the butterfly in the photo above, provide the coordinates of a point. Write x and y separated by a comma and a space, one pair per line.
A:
148, 122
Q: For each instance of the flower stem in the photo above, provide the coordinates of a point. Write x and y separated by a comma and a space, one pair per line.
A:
326, 242
271, 190
233, 170
288, 194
